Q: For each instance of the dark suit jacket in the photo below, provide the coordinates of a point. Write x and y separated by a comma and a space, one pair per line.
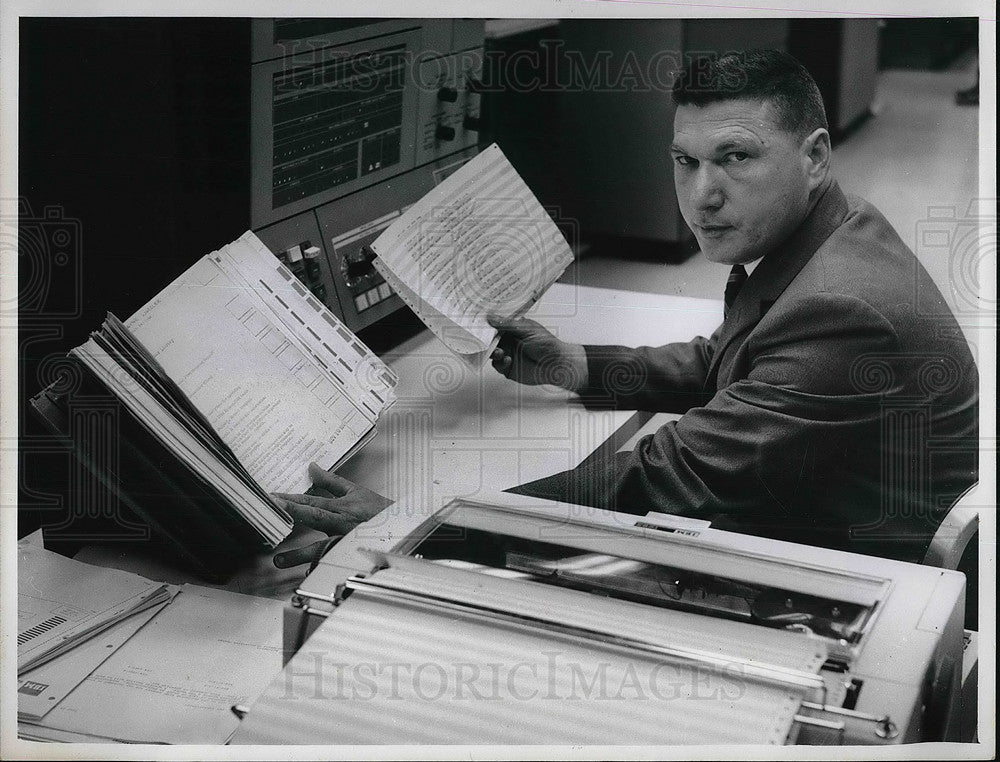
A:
837, 405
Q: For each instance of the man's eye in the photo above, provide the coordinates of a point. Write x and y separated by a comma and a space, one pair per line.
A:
685, 161
736, 156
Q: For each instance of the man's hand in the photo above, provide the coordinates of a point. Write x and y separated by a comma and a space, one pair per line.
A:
339, 506
529, 354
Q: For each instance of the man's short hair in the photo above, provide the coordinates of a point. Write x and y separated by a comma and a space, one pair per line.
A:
766, 75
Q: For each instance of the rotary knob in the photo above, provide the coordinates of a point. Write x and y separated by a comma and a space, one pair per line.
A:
448, 94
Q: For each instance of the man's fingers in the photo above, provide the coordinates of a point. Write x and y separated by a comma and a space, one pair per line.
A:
498, 322
310, 515
317, 512
501, 360
320, 492
303, 555
508, 345
338, 486
314, 501
519, 328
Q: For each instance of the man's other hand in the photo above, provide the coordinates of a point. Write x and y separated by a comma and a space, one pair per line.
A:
529, 354
338, 506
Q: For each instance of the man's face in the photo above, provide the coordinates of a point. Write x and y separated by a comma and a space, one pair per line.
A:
741, 179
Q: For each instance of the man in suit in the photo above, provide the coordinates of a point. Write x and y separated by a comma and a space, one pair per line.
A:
825, 409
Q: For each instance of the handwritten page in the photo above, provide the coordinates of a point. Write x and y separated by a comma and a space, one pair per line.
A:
479, 244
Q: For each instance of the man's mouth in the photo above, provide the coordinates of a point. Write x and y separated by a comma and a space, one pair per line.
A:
714, 231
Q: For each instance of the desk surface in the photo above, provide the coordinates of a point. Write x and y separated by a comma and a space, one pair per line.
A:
454, 431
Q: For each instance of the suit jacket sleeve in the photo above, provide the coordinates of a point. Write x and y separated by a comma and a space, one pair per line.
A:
763, 440
668, 379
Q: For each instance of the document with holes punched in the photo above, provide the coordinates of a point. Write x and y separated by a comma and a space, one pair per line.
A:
226, 385
62, 603
478, 245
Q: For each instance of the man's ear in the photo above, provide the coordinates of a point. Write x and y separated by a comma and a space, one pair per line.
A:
816, 156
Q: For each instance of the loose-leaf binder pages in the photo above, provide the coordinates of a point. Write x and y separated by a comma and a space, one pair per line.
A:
479, 244
232, 380
276, 373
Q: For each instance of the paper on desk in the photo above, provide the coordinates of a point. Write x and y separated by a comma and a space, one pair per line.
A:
176, 679
39, 690
478, 244
36, 538
62, 602
241, 340
28, 732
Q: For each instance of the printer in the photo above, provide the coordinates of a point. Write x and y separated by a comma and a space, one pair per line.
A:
504, 619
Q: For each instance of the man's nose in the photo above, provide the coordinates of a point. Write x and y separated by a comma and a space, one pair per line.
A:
706, 190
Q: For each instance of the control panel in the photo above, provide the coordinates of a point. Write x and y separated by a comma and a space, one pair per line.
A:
327, 248
353, 121
449, 107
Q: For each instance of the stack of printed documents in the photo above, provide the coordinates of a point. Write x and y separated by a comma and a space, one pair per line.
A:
74, 614
227, 385
61, 603
111, 656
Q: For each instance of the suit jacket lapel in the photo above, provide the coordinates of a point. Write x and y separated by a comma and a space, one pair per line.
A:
776, 270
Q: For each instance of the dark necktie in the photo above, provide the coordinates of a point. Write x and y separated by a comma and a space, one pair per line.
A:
737, 277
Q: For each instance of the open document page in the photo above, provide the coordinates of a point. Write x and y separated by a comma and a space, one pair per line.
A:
277, 375
166, 418
479, 244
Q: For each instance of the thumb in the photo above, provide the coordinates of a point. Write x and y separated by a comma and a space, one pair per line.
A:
338, 486
518, 327
498, 321
296, 556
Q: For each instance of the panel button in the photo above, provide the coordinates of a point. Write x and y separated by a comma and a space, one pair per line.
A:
444, 133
